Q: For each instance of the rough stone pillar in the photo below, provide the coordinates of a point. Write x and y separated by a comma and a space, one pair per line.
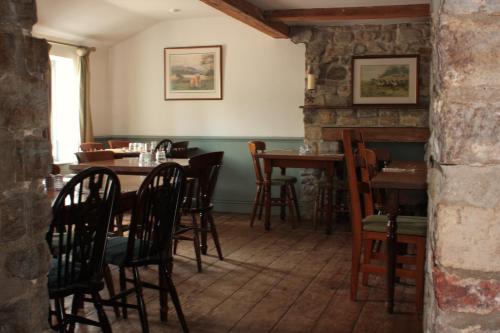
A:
463, 262
24, 161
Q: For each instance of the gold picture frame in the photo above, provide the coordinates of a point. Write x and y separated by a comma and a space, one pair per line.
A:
385, 80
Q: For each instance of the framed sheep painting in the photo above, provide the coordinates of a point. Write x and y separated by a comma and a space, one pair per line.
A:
193, 72
384, 80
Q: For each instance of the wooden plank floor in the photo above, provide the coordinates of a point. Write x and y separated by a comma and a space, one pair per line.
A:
283, 280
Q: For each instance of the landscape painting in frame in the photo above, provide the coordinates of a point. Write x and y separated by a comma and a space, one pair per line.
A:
193, 72
385, 80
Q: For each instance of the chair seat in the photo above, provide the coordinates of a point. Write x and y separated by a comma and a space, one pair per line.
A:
55, 290
283, 180
407, 225
116, 249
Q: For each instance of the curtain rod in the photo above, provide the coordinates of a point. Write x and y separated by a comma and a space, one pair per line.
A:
69, 44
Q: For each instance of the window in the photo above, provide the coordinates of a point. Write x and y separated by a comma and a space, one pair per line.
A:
65, 118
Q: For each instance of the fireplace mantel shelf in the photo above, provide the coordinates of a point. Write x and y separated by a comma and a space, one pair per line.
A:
351, 107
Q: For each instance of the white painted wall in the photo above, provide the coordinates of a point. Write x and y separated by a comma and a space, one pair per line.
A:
263, 84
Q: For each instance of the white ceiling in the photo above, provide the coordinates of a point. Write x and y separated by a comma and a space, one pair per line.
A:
106, 22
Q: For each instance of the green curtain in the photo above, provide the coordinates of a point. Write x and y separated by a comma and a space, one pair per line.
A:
86, 131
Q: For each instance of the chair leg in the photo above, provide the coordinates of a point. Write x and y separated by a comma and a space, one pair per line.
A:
420, 267
75, 305
143, 316
176, 242
316, 209
108, 278
103, 319
163, 293
203, 230
322, 205
289, 200
256, 204
175, 299
215, 235
367, 253
356, 257
261, 202
283, 202
123, 287
196, 241
59, 312
296, 202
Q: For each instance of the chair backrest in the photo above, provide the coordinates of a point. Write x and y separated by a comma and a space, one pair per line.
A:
77, 234
354, 147
179, 149
155, 213
166, 145
113, 144
91, 156
91, 146
205, 169
257, 147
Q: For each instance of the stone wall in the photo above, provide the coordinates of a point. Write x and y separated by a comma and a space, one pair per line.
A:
463, 266
25, 151
329, 52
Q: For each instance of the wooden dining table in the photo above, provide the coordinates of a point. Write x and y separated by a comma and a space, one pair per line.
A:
122, 153
127, 166
397, 177
292, 159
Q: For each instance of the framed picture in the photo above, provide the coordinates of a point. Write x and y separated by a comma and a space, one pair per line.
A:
193, 72
384, 80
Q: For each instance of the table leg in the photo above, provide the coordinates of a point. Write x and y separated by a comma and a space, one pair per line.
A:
268, 169
283, 197
392, 228
329, 201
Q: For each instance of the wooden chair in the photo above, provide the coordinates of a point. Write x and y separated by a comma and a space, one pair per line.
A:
149, 243
320, 202
91, 156
166, 145
288, 196
55, 169
81, 215
204, 169
114, 144
91, 146
105, 155
179, 149
368, 228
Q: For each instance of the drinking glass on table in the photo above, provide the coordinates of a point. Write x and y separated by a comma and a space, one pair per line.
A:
161, 156
305, 149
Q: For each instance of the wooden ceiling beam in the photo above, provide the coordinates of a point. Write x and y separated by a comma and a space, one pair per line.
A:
348, 13
250, 14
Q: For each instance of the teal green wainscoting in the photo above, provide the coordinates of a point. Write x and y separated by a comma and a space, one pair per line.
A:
235, 189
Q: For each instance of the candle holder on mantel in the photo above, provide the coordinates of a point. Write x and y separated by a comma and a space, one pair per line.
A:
311, 87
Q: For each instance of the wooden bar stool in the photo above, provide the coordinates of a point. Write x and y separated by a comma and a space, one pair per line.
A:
288, 196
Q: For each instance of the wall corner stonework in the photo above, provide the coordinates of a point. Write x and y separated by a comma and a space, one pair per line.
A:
26, 156
463, 271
